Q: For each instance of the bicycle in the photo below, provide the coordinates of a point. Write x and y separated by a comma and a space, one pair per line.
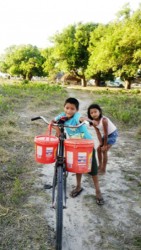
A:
59, 186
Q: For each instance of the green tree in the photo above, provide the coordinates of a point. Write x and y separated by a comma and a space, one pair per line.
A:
49, 66
97, 65
71, 49
118, 51
23, 60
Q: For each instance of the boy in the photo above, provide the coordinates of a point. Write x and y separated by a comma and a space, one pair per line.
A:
71, 116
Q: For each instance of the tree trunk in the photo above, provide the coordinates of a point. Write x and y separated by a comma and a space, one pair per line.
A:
83, 81
127, 84
97, 82
29, 77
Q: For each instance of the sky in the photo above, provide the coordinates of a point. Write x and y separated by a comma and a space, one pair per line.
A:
34, 21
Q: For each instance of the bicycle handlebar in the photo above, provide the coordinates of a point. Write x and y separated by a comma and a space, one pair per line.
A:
35, 118
55, 124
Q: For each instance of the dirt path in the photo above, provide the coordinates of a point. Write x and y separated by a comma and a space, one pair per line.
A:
117, 224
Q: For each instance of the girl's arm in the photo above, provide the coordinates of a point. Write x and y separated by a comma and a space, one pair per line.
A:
91, 122
105, 129
98, 135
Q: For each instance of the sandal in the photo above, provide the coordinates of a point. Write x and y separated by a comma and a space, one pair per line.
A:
100, 201
75, 192
47, 186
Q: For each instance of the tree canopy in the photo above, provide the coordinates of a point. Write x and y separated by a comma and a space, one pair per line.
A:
23, 60
89, 50
118, 50
71, 49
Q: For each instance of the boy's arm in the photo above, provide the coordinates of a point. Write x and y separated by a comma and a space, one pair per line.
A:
56, 128
56, 120
58, 117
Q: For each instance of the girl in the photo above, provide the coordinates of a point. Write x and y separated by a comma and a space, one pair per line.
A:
71, 116
106, 132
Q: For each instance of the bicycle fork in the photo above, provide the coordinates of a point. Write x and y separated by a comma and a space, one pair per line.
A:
64, 184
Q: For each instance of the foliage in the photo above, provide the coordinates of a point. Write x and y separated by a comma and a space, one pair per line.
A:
49, 65
71, 48
23, 60
101, 51
117, 51
89, 50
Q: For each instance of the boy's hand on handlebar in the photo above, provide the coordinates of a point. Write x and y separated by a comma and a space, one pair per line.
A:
58, 132
53, 121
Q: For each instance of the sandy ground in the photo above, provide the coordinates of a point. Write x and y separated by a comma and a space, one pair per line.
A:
117, 224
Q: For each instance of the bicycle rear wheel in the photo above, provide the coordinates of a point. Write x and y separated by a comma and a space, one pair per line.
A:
59, 208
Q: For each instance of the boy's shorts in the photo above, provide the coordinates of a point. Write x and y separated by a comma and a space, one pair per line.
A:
94, 169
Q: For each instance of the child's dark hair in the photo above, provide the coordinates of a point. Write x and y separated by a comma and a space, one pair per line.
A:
94, 106
72, 101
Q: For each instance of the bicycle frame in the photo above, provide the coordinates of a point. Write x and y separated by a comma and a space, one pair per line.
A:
60, 162
59, 181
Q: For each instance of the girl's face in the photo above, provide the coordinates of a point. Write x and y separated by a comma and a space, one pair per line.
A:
70, 110
94, 113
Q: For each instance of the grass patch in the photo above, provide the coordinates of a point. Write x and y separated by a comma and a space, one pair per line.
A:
22, 231
11, 96
137, 242
125, 109
23, 228
138, 134
17, 192
22, 223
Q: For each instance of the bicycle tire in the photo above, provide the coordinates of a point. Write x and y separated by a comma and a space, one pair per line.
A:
54, 184
59, 208
65, 188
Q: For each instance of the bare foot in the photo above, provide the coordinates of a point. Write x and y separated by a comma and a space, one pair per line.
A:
101, 172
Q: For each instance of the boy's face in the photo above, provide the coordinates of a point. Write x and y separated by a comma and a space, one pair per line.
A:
70, 109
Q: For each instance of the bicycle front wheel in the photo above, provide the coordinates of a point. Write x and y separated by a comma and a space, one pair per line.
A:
59, 208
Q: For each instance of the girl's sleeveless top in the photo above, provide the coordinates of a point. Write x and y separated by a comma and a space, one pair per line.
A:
111, 126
